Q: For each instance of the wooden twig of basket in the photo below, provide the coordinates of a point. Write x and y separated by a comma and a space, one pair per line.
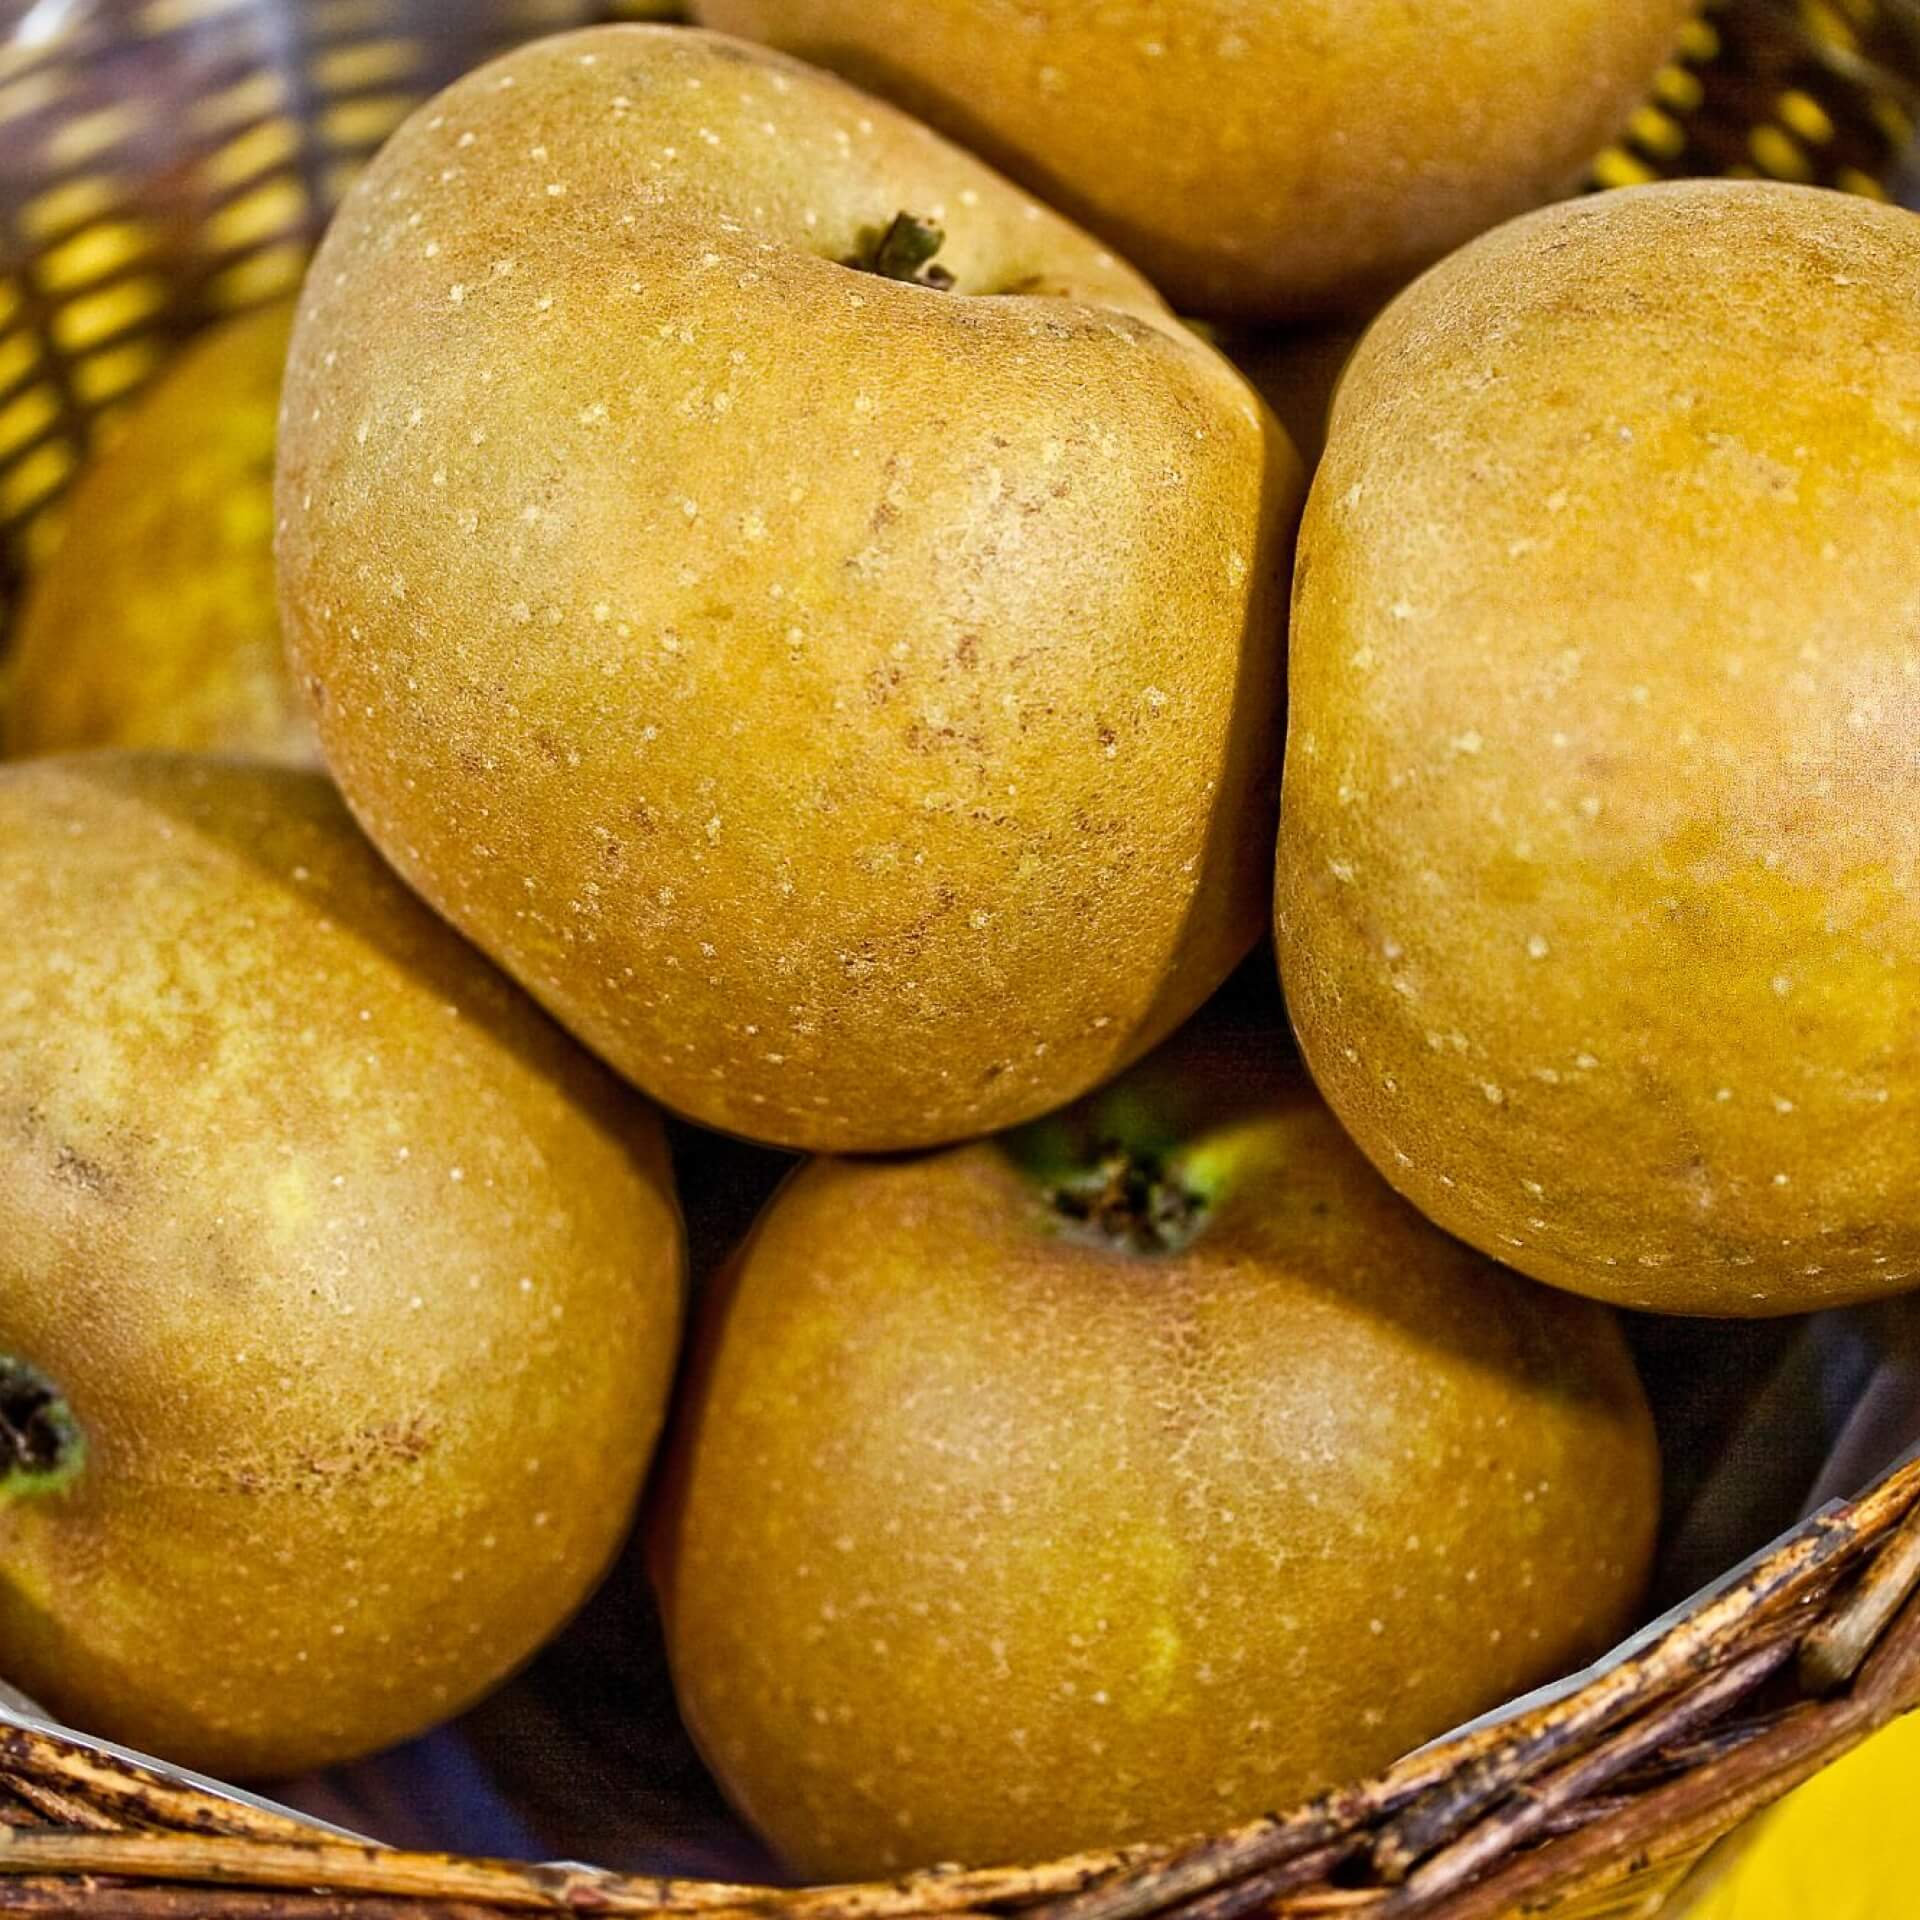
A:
1592, 1803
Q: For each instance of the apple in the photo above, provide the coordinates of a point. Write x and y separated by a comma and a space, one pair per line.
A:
1125, 1477
1599, 872
153, 623
339, 1291
807, 612
1262, 159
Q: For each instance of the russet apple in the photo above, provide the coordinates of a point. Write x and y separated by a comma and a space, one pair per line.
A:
153, 623
1261, 159
809, 613
1599, 878
339, 1290
1124, 1478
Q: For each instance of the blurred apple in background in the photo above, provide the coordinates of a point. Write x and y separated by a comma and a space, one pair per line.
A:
154, 623
1261, 159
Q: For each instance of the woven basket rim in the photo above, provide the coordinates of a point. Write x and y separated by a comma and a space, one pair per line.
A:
1635, 1763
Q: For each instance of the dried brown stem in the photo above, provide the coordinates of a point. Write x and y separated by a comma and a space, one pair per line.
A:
1564, 1820
143, 1796
1703, 1750
106, 1901
56, 1805
1259, 1890
1519, 1823
1674, 1822
1833, 1651
1181, 1878
227, 1860
348, 1867
949, 1890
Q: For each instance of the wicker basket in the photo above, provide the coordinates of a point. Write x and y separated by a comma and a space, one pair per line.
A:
1593, 1800
166, 161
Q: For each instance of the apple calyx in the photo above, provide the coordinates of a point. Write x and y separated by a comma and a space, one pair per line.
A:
42, 1447
904, 251
1130, 1200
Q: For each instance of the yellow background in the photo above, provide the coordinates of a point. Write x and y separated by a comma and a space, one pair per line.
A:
1846, 1846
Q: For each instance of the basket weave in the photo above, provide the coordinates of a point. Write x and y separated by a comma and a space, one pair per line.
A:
1593, 1803
166, 161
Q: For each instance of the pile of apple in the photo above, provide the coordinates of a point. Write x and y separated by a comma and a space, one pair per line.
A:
802, 632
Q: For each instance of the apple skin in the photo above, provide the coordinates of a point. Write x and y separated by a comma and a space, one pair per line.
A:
359, 1279
1262, 160
1599, 867
153, 623
850, 708
981, 1539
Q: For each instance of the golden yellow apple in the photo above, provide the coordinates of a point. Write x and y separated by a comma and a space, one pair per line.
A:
153, 624
1599, 901
1261, 159
338, 1289
808, 612
1124, 1478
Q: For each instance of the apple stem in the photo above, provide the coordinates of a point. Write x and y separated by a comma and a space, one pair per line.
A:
904, 251
42, 1447
1131, 1199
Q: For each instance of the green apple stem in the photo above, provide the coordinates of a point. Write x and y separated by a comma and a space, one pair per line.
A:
905, 252
1132, 1200
42, 1447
